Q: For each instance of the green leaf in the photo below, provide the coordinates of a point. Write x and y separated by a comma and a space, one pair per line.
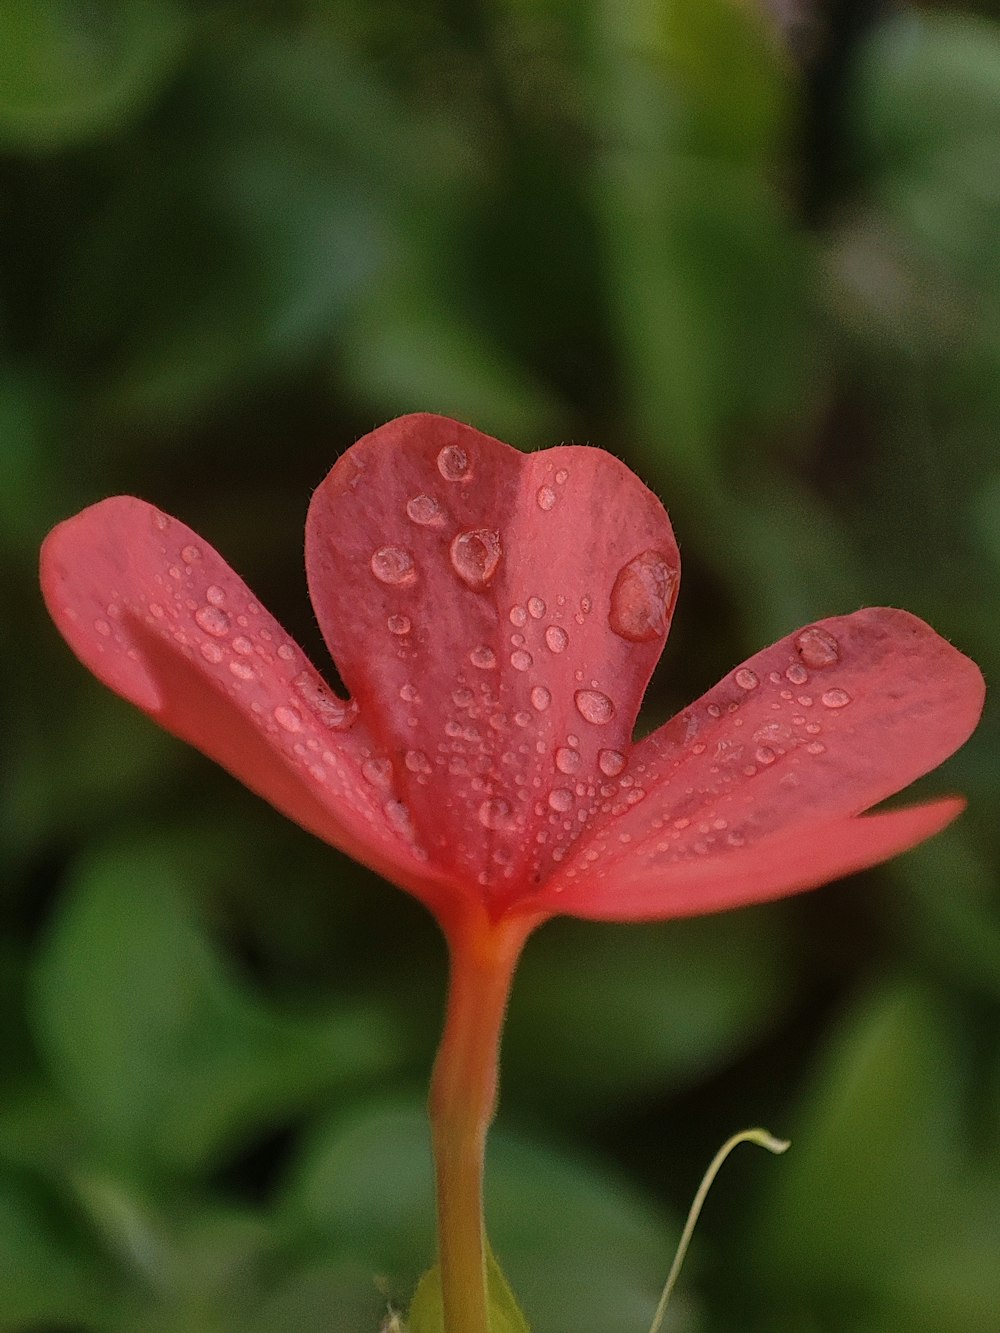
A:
70, 70
427, 1312
167, 1057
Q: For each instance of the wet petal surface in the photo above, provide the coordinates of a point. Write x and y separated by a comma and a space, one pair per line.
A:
157, 615
752, 791
497, 617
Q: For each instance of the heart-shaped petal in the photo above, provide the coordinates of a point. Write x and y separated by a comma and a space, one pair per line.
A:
496, 616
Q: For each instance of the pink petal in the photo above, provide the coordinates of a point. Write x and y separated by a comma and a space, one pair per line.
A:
496, 616
157, 615
766, 770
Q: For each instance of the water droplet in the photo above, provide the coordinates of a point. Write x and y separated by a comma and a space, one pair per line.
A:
190, 554
286, 652
243, 670
475, 556
561, 798
540, 698
495, 814
815, 747
567, 761
103, 628
425, 510
242, 645
409, 693
642, 597
399, 817
520, 660
546, 497
399, 624
536, 608
417, 762
161, 521
378, 772
594, 707
334, 713
483, 657
211, 651
522, 719
391, 564
462, 697
610, 762
518, 616
797, 674
836, 698
453, 463
747, 679
215, 595
288, 718
212, 620
561, 476
765, 755
556, 639
817, 647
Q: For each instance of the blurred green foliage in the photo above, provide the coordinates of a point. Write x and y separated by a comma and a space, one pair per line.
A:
750, 246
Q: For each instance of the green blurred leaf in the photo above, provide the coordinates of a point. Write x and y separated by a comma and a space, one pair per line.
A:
70, 70
426, 1313
166, 1056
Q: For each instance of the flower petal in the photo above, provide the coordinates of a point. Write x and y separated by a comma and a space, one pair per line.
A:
813, 730
157, 615
497, 617
782, 864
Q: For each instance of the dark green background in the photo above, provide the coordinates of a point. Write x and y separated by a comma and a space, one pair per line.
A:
753, 250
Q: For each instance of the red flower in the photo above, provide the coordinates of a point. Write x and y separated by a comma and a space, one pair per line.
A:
496, 617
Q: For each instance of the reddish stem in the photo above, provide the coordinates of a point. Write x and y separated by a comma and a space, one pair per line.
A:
463, 1096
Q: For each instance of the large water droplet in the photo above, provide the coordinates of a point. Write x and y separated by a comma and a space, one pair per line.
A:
610, 762
483, 657
561, 799
556, 639
518, 616
290, 719
540, 698
747, 679
453, 463
425, 510
536, 608
594, 707
520, 660
215, 595
212, 620
475, 556
642, 597
817, 647
393, 565
546, 497
836, 698
567, 760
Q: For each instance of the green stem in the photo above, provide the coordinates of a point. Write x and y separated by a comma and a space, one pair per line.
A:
462, 1103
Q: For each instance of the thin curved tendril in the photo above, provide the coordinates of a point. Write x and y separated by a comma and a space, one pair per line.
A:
764, 1140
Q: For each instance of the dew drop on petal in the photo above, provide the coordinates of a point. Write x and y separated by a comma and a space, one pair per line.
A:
594, 707
817, 647
103, 628
332, 712
399, 817
393, 565
642, 596
211, 651
556, 639
409, 693
815, 747
518, 616
242, 645
453, 463
521, 660
290, 719
242, 670
561, 477
190, 554
483, 657
398, 624
610, 762
765, 755
545, 497
212, 620
416, 761
540, 698
567, 760
378, 772
475, 556
536, 608
836, 698
286, 652
747, 679
215, 595
425, 510
495, 814
561, 798
797, 674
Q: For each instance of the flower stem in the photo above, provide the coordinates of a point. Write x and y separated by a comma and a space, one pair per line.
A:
462, 1103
